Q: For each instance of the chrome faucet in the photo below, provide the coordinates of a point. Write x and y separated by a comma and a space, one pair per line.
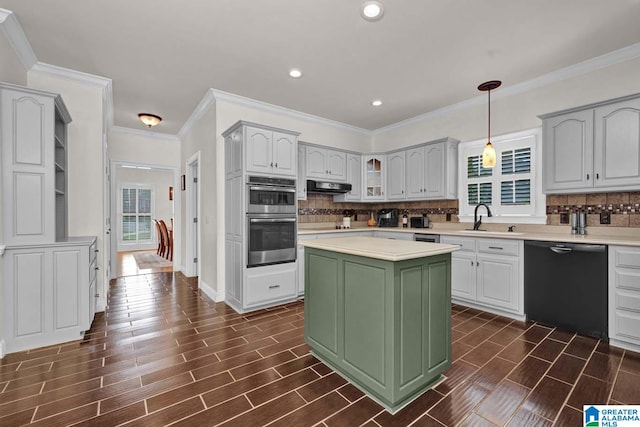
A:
477, 222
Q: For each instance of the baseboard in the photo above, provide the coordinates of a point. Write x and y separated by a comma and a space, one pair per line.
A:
210, 292
520, 317
2, 349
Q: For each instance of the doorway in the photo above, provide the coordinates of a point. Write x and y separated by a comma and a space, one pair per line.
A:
192, 229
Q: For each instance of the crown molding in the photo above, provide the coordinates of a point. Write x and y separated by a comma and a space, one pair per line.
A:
17, 38
207, 100
584, 67
73, 75
144, 133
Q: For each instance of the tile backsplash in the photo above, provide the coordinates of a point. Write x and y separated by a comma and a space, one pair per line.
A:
624, 208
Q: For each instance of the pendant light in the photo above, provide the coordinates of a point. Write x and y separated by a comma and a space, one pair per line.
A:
149, 119
489, 153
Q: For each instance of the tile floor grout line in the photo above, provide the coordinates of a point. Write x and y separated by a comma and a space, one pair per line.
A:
615, 379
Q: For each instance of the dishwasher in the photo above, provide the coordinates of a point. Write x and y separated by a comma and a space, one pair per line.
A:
565, 285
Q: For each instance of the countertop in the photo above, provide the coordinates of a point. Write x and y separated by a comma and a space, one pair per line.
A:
379, 248
599, 235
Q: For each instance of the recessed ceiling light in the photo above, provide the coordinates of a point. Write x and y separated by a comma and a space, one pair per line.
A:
295, 73
372, 10
376, 103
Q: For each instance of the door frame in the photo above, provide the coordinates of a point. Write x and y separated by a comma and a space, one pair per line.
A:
193, 202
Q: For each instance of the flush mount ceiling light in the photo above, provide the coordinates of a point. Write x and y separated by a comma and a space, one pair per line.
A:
295, 73
372, 10
376, 103
489, 153
149, 120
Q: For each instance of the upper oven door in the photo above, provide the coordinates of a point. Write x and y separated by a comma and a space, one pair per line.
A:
271, 199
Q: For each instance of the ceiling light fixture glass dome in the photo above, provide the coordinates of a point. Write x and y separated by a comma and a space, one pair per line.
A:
372, 10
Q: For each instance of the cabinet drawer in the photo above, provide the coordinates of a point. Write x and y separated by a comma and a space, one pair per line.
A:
628, 258
466, 243
628, 324
494, 246
628, 300
627, 279
270, 283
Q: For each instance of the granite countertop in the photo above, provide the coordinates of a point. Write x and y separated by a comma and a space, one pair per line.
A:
600, 235
379, 248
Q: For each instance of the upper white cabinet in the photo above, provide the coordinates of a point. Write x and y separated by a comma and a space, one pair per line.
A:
596, 147
270, 151
374, 167
34, 165
396, 175
325, 163
354, 177
431, 171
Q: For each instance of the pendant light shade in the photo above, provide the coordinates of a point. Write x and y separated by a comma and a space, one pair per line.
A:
489, 153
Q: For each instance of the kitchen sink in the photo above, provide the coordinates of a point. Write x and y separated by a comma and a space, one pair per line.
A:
485, 232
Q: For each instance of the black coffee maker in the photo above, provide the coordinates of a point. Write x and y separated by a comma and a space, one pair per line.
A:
388, 218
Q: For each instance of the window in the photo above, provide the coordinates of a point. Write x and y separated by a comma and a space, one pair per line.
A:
136, 203
511, 188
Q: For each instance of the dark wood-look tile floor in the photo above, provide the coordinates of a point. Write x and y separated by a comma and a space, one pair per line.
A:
164, 354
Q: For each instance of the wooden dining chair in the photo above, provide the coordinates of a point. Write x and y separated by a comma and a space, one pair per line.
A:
161, 240
168, 252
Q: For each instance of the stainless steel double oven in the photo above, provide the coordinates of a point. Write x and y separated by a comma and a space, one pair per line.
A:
271, 220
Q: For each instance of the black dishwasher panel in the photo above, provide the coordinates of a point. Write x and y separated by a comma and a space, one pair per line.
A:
565, 285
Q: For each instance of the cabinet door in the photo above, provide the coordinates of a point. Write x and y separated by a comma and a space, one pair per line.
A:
317, 162
568, 151
415, 173
374, 177
617, 144
463, 275
354, 177
434, 185
337, 165
301, 185
284, 154
259, 143
497, 281
395, 176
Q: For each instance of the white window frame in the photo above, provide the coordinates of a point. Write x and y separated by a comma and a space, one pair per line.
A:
535, 213
137, 244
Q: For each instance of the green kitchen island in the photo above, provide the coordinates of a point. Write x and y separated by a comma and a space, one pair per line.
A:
378, 312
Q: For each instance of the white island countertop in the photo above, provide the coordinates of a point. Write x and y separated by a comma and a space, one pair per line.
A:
379, 248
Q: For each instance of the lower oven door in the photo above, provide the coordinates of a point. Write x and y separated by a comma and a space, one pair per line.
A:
272, 239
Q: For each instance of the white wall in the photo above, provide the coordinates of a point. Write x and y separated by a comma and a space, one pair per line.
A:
11, 69
516, 112
85, 157
138, 148
159, 181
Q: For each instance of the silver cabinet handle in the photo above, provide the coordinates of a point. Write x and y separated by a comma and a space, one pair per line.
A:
274, 286
496, 247
276, 164
471, 263
560, 250
587, 177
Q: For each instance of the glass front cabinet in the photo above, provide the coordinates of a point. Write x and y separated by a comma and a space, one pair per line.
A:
374, 176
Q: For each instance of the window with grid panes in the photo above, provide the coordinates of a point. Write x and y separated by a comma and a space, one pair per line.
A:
509, 187
136, 213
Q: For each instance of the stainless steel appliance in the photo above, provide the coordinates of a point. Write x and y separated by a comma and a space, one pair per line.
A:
428, 238
271, 195
388, 218
565, 285
327, 187
420, 221
272, 239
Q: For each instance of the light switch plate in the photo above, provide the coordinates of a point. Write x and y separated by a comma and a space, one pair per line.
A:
605, 217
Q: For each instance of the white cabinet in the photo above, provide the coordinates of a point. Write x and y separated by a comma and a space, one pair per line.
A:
270, 151
395, 235
301, 184
374, 167
431, 171
624, 296
270, 285
33, 126
325, 163
354, 177
396, 175
49, 293
488, 273
596, 147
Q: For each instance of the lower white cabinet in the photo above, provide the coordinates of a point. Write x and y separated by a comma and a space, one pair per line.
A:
488, 273
49, 293
624, 296
270, 284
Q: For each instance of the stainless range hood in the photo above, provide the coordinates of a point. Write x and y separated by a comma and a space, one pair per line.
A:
327, 187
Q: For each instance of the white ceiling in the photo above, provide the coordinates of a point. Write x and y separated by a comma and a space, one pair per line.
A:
163, 55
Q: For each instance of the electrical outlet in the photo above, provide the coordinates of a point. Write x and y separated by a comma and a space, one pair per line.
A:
564, 217
605, 217
448, 216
